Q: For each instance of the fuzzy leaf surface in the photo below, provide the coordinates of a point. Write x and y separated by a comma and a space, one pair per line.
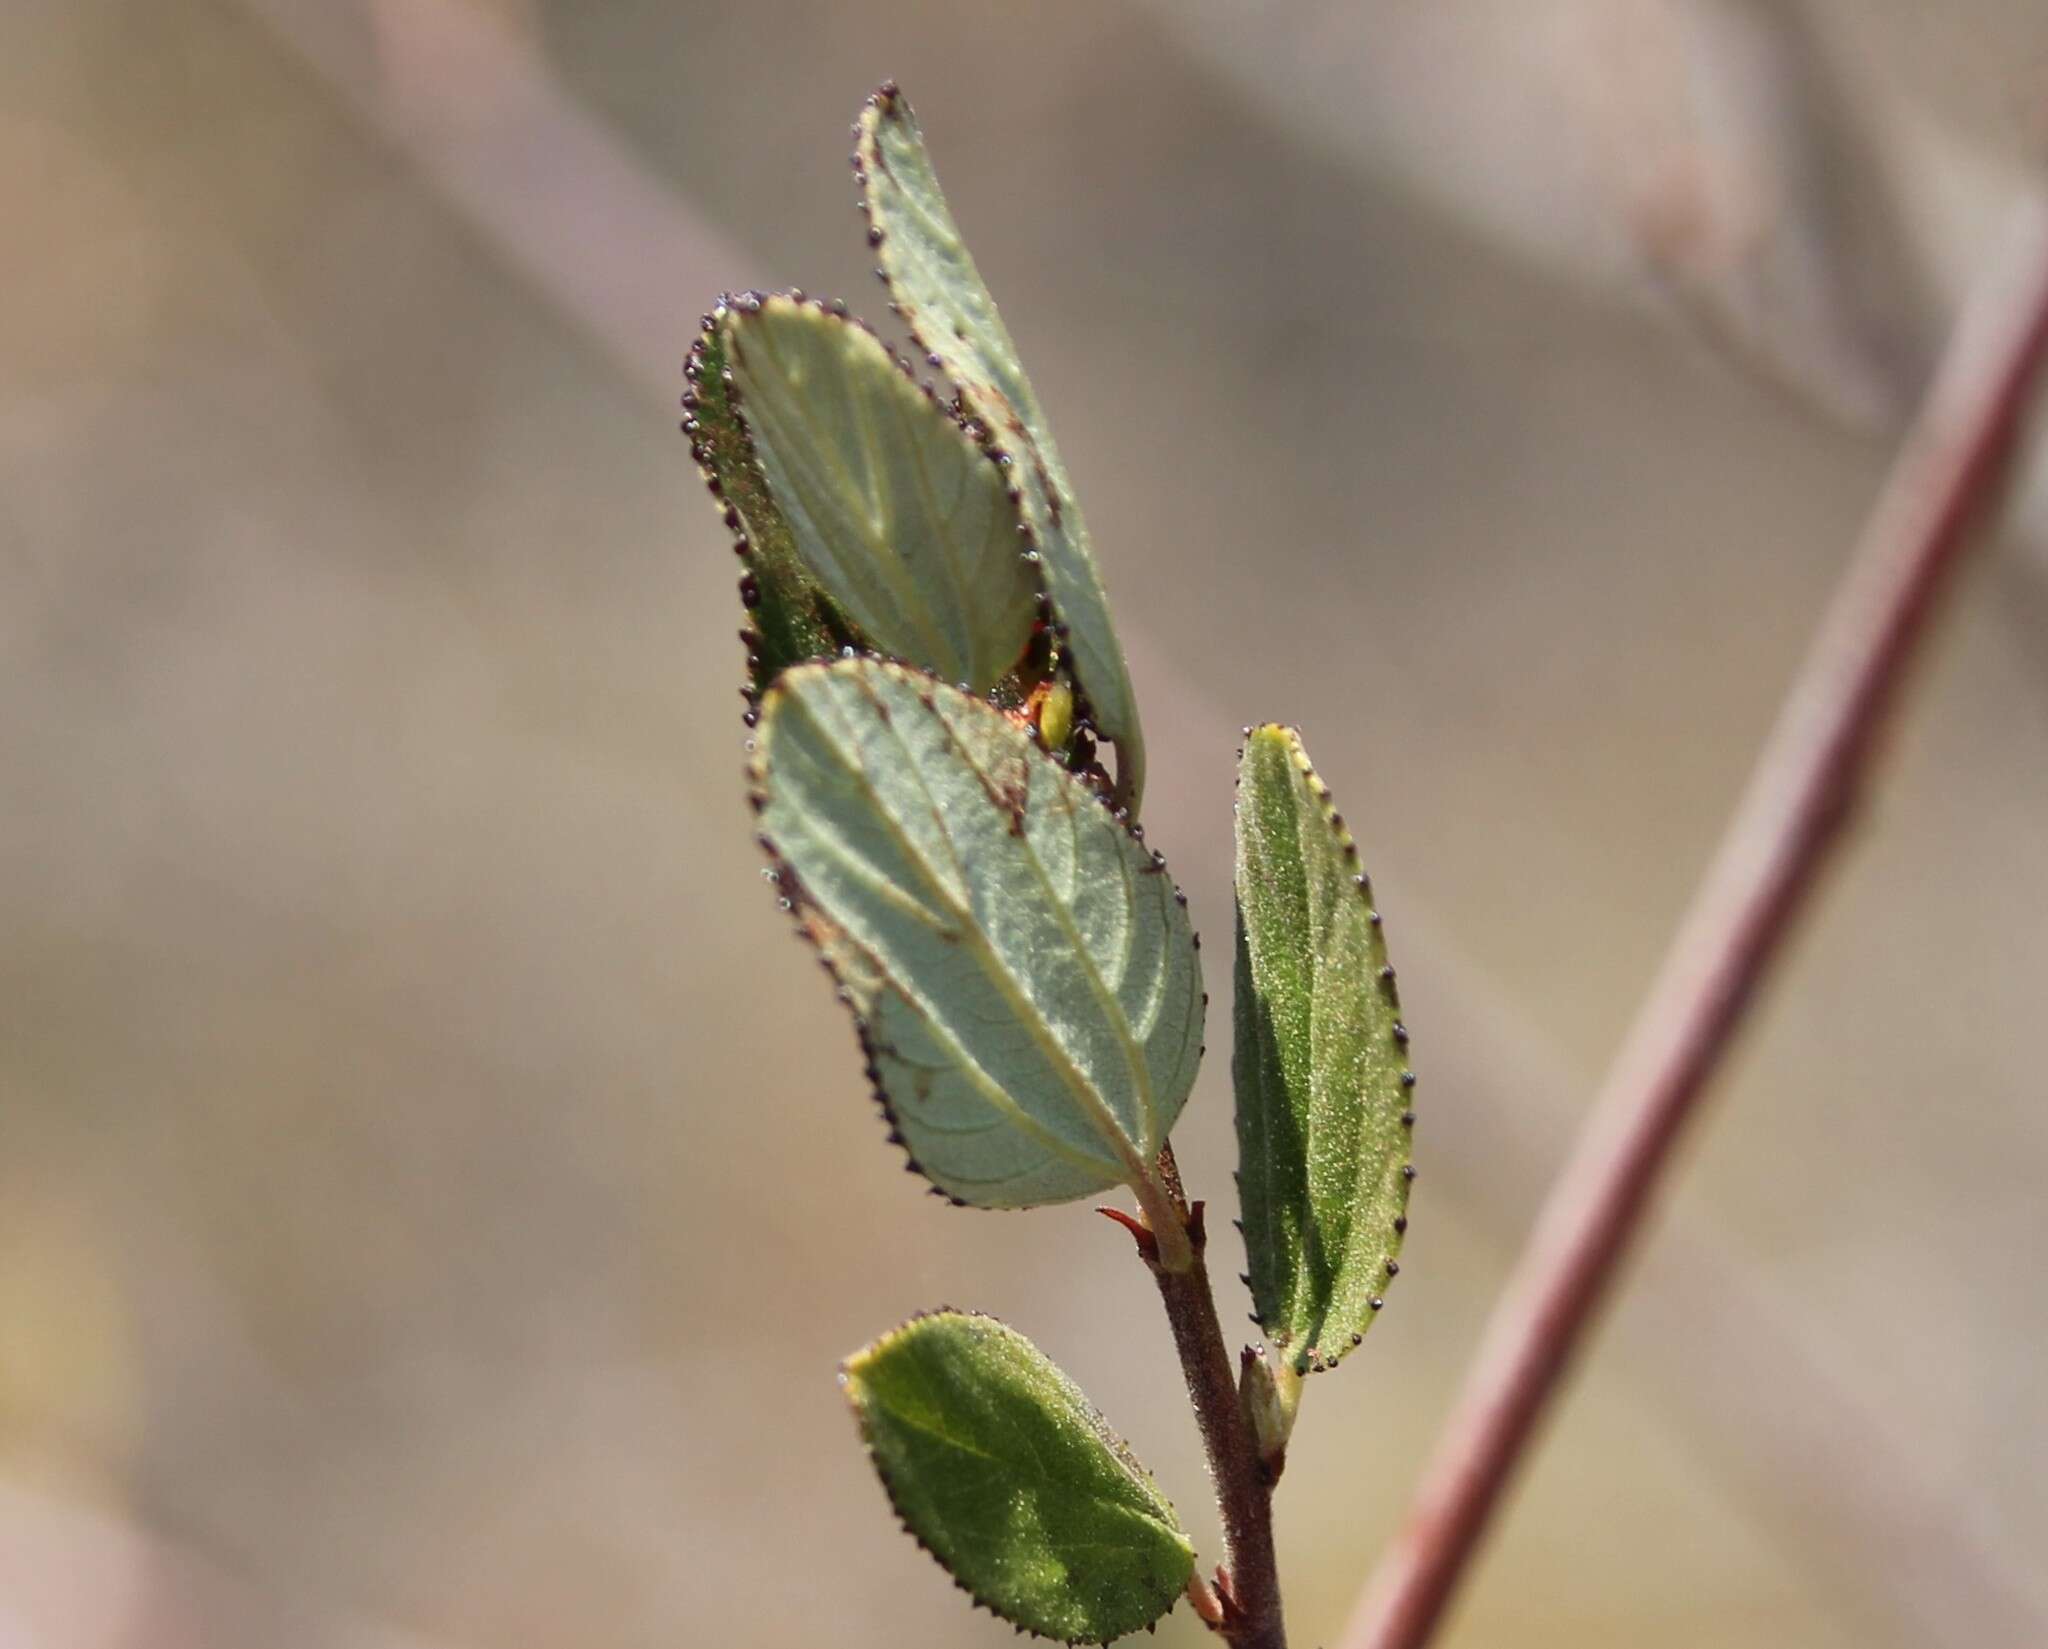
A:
1009, 1476
903, 521
1020, 967
1320, 1063
943, 301
791, 616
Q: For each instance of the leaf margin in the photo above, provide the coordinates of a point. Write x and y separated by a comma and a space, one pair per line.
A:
1105, 1435
1011, 420
1264, 1250
812, 921
842, 575
789, 619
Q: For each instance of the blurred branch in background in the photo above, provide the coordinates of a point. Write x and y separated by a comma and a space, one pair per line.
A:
1806, 790
1783, 175
1741, 171
1699, 149
461, 92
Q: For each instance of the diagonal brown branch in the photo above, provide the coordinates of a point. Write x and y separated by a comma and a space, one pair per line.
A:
1801, 796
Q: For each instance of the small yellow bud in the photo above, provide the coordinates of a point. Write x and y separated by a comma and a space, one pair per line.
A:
1055, 715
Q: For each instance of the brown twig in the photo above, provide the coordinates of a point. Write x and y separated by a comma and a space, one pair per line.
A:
1247, 1590
1794, 811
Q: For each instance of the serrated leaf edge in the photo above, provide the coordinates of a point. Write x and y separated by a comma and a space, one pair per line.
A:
795, 902
884, 101
753, 302
694, 366
1118, 1446
1317, 1359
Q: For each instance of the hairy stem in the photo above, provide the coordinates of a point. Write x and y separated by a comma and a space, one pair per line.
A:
1800, 798
1249, 1582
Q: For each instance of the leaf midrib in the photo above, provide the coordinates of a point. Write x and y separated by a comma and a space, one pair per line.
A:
1090, 1100
1111, 1004
1034, 1472
997, 1096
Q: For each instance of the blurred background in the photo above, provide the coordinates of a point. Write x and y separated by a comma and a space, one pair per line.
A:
435, 1191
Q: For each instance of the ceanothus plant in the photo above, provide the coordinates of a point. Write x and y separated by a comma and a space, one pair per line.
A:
936, 693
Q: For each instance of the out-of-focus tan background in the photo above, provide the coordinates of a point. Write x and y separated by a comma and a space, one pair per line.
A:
434, 1190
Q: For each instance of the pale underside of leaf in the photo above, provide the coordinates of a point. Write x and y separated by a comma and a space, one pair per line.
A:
1021, 968
790, 618
1011, 1478
1324, 1088
942, 299
892, 509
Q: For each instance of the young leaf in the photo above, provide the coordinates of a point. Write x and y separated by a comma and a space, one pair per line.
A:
1020, 968
941, 298
1321, 1065
893, 511
791, 619
1007, 1475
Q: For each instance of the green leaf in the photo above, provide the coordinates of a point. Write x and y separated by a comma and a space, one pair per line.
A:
941, 298
1020, 968
1321, 1064
902, 520
790, 618
1007, 1475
